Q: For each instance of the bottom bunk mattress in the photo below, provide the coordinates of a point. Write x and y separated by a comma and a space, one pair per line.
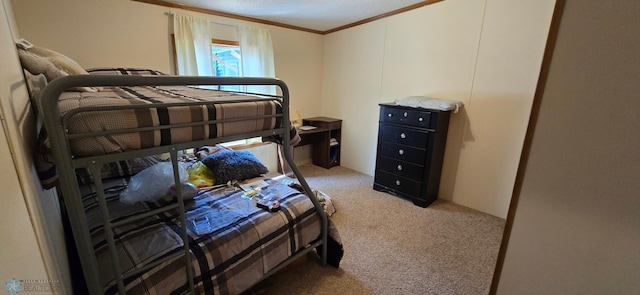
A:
233, 243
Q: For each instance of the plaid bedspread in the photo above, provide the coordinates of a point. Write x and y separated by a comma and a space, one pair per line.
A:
217, 105
243, 244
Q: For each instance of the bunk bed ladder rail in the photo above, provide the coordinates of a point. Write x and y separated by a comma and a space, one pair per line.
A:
288, 155
324, 231
183, 223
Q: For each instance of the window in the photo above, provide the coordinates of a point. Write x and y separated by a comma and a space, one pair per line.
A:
227, 62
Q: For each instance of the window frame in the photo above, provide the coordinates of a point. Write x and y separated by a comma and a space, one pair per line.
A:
242, 143
235, 45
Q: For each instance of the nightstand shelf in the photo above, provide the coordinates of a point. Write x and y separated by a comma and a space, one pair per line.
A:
325, 140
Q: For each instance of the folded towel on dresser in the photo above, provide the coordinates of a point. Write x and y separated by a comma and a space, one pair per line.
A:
430, 103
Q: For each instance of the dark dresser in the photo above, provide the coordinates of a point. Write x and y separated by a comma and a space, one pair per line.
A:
411, 144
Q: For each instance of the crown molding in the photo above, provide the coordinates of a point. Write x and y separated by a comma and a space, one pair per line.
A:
282, 25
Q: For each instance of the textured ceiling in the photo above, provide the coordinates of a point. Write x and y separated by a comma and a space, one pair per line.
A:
318, 15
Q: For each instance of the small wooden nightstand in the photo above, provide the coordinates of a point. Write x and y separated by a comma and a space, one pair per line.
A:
326, 139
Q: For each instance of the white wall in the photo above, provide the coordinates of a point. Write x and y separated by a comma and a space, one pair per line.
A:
576, 229
31, 242
514, 34
484, 53
351, 86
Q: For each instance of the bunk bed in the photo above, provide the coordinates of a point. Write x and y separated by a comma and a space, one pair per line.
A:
116, 115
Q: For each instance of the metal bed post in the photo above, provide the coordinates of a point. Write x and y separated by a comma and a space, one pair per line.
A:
183, 224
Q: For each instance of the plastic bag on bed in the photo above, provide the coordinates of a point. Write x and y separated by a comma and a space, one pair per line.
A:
152, 183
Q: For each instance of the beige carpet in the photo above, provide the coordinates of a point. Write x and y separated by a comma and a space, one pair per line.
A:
394, 247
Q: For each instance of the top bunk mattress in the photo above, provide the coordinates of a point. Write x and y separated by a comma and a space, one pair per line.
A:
218, 114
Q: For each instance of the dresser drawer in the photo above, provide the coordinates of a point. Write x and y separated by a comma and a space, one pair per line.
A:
406, 117
406, 136
402, 152
397, 183
401, 168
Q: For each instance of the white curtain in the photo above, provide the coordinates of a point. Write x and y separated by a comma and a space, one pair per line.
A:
193, 45
257, 56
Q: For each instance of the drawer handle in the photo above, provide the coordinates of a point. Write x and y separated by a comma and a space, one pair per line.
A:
405, 114
402, 135
420, 119
397, 182
399, 167
401, 152
389, 115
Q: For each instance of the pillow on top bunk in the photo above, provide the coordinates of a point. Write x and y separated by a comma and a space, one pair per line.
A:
229, 165
53, 65
35, 84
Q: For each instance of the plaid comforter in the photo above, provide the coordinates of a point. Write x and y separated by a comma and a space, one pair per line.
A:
217, 105
243, 244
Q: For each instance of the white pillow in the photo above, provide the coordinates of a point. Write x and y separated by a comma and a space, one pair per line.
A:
35, 84
51, 64
430, 103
